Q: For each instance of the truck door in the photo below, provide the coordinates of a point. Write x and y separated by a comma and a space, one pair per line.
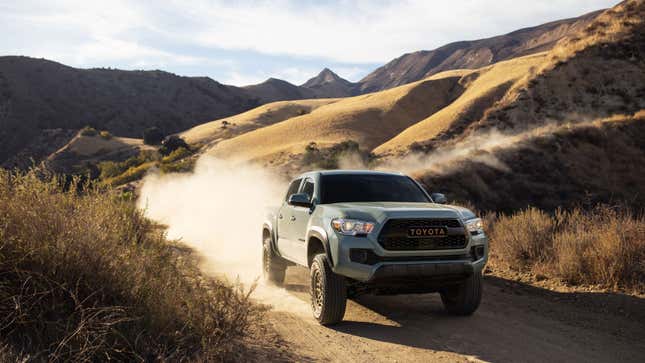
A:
285, 222
300, 217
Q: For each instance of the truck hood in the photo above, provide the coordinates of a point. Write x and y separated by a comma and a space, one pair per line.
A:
380, 211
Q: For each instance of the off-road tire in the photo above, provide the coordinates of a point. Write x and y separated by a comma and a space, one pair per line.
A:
463, 299
328, 292
273, 266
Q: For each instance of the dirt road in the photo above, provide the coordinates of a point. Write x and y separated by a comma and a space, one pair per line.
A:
515, 323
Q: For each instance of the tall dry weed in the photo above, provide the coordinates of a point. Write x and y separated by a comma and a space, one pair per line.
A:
604, 246
85, 277
524, 238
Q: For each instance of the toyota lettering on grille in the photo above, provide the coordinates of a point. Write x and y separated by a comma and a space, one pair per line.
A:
421, 232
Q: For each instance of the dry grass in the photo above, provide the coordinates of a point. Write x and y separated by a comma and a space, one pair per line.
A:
605, 246
369, 119
617, 24
580, 164
248, 121
88, 278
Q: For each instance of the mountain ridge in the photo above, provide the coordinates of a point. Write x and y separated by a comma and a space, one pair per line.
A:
471, 54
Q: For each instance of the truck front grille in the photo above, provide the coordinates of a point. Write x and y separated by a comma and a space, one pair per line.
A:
394, 235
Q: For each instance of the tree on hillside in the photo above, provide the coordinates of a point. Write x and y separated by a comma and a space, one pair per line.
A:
152, 136
172, 143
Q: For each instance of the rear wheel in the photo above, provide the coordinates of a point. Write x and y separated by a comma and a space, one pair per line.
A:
273, 267
463, 299
328, 292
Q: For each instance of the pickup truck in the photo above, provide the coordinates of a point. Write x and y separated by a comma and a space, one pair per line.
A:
373, 232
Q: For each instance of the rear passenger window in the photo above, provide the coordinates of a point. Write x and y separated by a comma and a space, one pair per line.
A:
293, 188
308, 188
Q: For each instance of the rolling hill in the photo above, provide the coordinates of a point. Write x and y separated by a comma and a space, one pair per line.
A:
368, 119
262, 116
485, 87
37, 94
593, 74
91, 149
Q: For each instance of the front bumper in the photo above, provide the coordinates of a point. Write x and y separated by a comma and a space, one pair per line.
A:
406, 266
431, 270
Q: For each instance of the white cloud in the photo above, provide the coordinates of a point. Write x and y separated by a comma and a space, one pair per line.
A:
175, 34
367, 31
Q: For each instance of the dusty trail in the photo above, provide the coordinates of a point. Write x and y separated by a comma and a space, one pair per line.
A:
515, 323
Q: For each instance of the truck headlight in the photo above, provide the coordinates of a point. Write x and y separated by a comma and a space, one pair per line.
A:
475, 226
351, 227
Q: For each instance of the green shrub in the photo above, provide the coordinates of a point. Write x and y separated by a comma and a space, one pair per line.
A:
177, 154
181, 166
111, 169
172, 143
85, 277
131, 174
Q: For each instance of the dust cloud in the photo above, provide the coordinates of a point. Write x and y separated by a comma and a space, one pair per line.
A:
478, 148
218, 210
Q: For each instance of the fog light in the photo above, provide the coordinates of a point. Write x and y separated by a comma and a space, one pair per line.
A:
359, 255
477, 252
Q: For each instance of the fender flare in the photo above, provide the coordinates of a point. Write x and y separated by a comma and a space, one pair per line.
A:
269, 226
320, 234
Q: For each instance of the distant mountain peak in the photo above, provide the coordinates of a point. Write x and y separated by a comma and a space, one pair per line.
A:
274, 80
325, 76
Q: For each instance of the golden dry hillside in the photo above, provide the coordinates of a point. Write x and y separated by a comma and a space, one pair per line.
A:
595, 73
368, 119
598, 72
258, 117
484, 87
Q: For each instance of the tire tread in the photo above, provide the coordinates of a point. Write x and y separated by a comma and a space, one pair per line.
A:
335, 299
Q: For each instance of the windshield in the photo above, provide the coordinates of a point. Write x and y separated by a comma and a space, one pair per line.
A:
370, 188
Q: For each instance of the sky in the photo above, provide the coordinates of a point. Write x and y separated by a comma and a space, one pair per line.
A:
246, 42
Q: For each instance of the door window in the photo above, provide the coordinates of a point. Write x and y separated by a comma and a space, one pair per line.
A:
293, 188
308, 188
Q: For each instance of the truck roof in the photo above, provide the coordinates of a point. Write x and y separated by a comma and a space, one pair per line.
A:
347, 172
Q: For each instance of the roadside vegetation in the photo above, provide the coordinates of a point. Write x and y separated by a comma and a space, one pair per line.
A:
604, 246
86, 277
174, 157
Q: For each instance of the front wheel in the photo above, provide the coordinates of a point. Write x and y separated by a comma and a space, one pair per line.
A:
328, 292
463, 299
273, 267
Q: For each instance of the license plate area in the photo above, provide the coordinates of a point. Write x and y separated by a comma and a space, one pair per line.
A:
428, 232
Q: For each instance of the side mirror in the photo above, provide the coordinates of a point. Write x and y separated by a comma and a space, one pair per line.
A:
299, 200
439, 198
